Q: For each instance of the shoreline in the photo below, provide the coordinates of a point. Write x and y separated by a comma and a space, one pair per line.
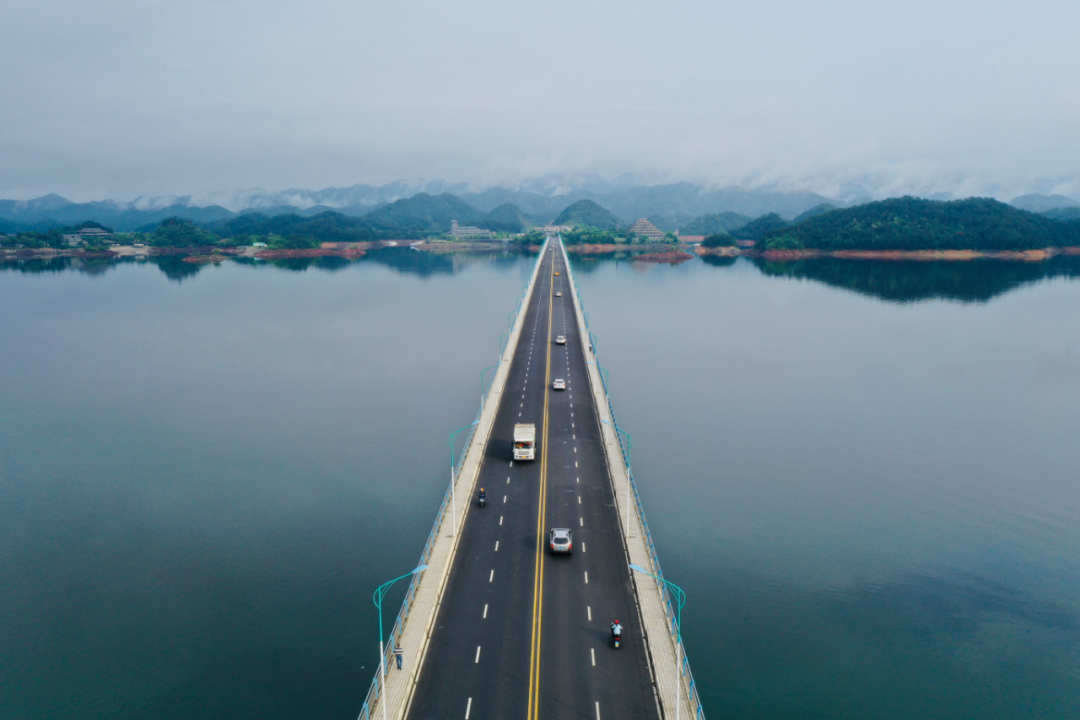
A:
652, 253
921, 255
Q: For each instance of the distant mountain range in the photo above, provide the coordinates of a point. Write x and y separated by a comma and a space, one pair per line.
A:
427, 206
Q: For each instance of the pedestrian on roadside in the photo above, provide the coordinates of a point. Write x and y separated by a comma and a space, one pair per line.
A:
399, 653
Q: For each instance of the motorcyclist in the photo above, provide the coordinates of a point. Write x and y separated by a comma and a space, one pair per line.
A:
616, 629
482, 496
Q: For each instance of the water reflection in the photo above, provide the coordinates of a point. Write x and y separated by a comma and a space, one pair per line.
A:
912, 280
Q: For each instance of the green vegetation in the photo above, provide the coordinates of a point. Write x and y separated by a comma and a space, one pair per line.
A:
816, 210
724, 222
1062, 213
506, 218
423, 214
325, 227
178, 232
718, 240
760, 227
591, 236
586, 213
910, 223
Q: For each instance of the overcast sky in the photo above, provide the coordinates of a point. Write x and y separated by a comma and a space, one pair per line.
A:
120, 98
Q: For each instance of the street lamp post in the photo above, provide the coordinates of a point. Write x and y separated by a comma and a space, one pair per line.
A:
377, 598
453, 471
680, 600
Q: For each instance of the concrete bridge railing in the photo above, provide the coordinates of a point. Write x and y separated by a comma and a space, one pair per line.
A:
439, 549
632, 511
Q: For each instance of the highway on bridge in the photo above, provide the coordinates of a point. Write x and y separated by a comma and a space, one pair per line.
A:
522, 633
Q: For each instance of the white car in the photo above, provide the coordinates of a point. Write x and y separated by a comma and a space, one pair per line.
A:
560, 340
558, 294
559, 384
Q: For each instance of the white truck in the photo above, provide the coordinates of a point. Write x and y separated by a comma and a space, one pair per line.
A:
524, 441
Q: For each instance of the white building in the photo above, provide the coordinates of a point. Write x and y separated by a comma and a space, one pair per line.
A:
461, 232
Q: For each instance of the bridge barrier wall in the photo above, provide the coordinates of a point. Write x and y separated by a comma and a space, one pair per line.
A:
659, 609
412, 626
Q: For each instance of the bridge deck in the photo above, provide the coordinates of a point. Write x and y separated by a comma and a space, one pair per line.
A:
521, 633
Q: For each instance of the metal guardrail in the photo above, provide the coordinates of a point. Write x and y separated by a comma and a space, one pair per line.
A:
436, 527
654, 557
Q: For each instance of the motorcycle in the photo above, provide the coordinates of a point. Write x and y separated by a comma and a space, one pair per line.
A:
616, 634
483, 501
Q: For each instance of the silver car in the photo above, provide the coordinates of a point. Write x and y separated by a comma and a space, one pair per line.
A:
561, 540
559, 384
560, 340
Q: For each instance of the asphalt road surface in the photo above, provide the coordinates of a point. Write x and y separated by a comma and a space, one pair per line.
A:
522, 633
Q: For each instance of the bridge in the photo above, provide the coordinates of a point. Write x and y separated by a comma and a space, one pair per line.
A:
493, 625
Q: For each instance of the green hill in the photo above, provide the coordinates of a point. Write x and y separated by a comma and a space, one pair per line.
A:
724, 222
910, 223
424, 213
507, 218
586, 213
816, 210
759, 227
326, 227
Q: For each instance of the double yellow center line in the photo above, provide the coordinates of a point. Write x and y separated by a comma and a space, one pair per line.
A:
538, 577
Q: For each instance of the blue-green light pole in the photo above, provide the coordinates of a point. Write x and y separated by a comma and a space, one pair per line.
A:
377, 598
680, 600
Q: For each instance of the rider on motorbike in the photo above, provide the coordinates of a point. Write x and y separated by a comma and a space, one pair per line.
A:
482, 496
616, 629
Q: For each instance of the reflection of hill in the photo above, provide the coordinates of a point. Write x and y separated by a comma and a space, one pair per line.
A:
407, 260
910, 281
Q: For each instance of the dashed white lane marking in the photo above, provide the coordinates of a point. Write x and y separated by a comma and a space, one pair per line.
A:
578, 479
468, 708
492, 575
586, 577
571, 415
598, 710
578, 499
589, 608
496, 546
511, 463
519, 414
592, 651
500, 519
575, 463
581, 522
485, 611
507, 481
575, 448
583, 546
574, 436
504, 498
477, 654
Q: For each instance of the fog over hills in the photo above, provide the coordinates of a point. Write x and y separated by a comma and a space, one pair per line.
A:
539, 200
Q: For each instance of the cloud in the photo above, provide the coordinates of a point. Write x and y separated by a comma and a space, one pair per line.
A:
124, 98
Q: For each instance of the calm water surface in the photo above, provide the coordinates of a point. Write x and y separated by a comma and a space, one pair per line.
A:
865, 476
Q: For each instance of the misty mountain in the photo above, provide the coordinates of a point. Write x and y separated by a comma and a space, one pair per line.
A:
1039, 203
716, 223
759, 227
910, 223
425, 213
816, 210
1062, 213
586, 213
507, 218
325, 227
52, 211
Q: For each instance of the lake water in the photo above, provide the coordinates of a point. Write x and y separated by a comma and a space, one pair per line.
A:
865, 475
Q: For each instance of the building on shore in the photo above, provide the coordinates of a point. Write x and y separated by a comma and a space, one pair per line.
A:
644, 228
94, 235
466, 232
555, 229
